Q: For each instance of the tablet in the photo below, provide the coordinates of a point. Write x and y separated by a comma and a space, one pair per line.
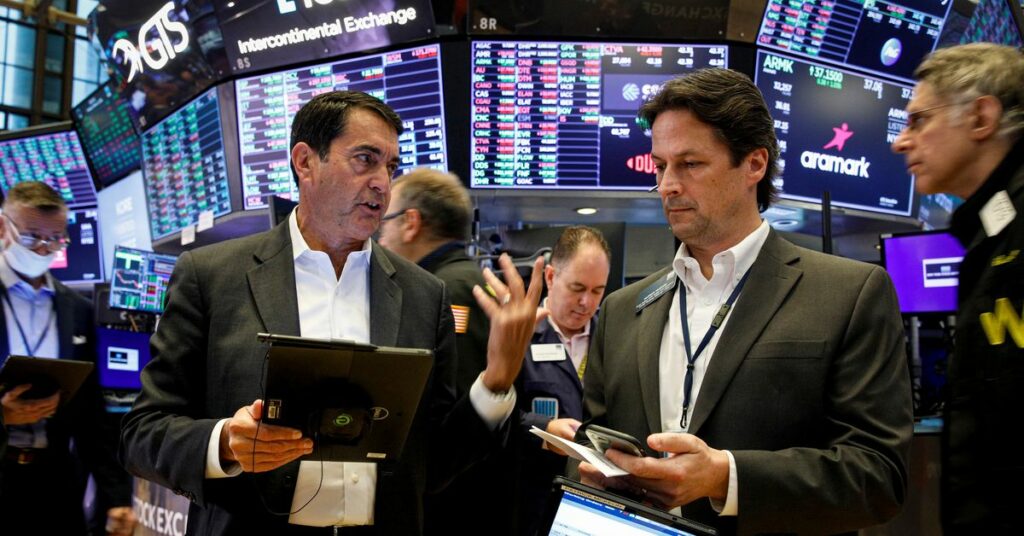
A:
47, 376
356, 401
574, 508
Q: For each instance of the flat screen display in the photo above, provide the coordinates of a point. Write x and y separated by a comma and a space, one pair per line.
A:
408, 80
55, 158
925, 269
993, 21
261, 35
835, 129
185, 168
562, 115
108, 134
122, 209
883, 37
122, 354
81, 261
139, 279
163, 52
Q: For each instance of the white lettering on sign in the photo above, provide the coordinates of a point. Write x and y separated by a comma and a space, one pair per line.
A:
156, 50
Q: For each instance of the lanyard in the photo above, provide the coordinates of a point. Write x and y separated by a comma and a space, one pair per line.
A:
29, 349
691, 358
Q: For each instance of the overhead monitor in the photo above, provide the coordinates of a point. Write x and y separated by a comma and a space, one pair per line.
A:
122, 209
52, 154
835, 129
185, 167
262, 35
995, 21
81, 262
122, 354
139, 280
883, 37
409, 80
163, 52
925, 269
107, 130
562, 115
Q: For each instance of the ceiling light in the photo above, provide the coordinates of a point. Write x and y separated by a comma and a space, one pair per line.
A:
586, 211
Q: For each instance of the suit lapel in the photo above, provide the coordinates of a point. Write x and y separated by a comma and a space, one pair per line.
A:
652, 326
565, 366
275, 268
385, 299
771, 279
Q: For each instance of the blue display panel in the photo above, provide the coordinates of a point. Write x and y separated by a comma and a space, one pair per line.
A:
122, 354
139, 280
408, 80
562, 115
925, 269
81, 261
184, 167
55, 158
835, 129
886, 38
108, 134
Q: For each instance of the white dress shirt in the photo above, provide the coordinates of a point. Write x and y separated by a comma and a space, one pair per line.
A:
339, 308
576, 346
34, 311
703, 300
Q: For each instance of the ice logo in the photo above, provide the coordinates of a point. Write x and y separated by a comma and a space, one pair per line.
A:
891, 51
630, 92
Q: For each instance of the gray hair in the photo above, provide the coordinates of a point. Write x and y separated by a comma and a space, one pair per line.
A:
966, 72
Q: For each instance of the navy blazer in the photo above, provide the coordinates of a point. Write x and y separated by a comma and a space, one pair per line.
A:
553, 379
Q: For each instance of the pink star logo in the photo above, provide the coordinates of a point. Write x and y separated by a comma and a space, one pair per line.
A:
842, 134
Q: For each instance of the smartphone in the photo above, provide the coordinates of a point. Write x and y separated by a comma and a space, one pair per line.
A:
605, 438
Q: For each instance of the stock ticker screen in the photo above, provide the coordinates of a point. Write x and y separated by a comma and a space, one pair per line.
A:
56, 159
108, 134
887, 38
184, 166
835, 129
558, 115
408, 80
139, 279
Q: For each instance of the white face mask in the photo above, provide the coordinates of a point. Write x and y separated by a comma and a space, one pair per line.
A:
27, 262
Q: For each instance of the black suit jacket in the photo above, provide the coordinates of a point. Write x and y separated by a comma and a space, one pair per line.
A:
82, 418
207, 364
808, 387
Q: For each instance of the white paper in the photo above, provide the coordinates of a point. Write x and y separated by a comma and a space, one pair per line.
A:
188, 235
205, 220
997, 213
579, 452
547, 352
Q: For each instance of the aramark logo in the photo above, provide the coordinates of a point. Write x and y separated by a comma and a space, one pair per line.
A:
641, 163
836, 164
156, 52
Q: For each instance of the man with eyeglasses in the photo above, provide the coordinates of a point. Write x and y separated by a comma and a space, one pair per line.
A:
964, 137
40, 488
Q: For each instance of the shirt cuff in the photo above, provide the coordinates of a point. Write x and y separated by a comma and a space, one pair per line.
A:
493, 408
731, 505
213, 467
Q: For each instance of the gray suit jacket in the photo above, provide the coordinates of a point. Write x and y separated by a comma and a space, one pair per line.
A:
207, 363
808, 388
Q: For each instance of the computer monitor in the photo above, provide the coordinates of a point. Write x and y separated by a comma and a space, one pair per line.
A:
107, 130
409, 80
925, 269
52, 154
121, 356
562, 114
139, 280
122, 209
263, 35
835, 129
995, 21
185, 166
883, 37
81, 262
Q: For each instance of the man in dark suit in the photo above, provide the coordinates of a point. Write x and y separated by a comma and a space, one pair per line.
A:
41, 490
965, 136
430, 215
765, 377
550, 385
195, 427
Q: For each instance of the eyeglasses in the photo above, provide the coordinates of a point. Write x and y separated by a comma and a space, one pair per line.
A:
393, 215
52, 244
915, 120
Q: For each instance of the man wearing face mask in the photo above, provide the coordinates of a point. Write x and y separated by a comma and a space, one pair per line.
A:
41, 490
